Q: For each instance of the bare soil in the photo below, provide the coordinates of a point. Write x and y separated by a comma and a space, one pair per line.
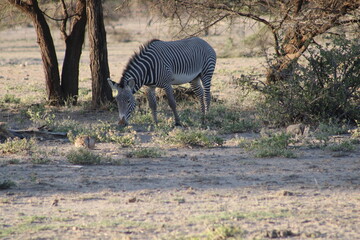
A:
186, 194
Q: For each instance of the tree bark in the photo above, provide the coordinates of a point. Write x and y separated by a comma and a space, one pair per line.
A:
74, 42
101, 91
47, 48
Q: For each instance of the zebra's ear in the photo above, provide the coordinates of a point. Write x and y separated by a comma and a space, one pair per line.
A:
112, 84
131, 83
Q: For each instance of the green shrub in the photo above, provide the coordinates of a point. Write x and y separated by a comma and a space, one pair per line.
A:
346, 146
325, 86
226, 232
10, 98
16, 145
40, 115
325, 130
6, 184
105, 132
193, 138
228, 120
142, 118
125, 140
273, 146
83, 156
40, 158
67, 125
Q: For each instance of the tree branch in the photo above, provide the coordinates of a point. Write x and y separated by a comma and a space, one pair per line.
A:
210, 25
59, 19
351, 21
64, 21
24, 6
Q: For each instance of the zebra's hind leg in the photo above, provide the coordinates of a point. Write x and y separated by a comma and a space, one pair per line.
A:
207, 95
151, 97
199, 92
172, 103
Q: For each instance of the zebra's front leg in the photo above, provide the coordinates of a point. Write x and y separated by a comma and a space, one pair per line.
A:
199, 92
172, 103
151, 97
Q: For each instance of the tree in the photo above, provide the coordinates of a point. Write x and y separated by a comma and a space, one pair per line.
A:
101, 91
74, 42
293, 23
47, 48
58, 92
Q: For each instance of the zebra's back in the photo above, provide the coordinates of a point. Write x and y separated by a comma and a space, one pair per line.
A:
188, 56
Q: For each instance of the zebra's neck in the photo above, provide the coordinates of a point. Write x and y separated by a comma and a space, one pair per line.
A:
138, 69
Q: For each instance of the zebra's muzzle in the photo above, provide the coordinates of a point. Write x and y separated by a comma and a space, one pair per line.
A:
122, 122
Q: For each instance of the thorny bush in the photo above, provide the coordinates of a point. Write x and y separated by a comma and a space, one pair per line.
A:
324, 86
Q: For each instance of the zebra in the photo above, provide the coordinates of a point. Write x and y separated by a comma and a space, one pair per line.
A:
163, 64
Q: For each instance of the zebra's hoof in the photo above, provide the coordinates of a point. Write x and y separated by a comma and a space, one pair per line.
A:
178, 125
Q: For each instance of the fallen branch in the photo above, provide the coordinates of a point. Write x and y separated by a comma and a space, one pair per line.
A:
38, 132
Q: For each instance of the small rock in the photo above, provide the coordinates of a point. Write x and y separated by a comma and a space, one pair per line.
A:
85, 141
280, 234
297, 130
56, 202
286, 193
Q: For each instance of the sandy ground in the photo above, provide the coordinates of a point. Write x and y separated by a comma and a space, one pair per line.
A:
186, 194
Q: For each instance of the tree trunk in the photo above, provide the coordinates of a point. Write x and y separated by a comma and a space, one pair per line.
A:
101, 91
74, 42
47, 48
294, 44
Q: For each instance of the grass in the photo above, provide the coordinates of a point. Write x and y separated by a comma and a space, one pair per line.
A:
28, 224
40, 115
221, 231
225, 232
345, 146
218, 232
40, 158
273, 146
145, 153
102, 132
18, 146
325, 130
252, 215
6, 184
230, 120
193, 138
125, 140
82, 156
10, 99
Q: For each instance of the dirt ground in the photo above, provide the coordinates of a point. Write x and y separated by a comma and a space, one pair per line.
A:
210, 193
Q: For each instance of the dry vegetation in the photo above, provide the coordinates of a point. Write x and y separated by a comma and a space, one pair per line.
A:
232, 180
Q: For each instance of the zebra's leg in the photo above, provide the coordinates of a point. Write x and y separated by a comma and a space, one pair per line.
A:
199, 92
151, 97
172, 103
206, 82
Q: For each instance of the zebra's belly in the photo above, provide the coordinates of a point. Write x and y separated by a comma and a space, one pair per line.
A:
183, 78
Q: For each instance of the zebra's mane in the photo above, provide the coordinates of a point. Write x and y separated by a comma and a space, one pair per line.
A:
133, 58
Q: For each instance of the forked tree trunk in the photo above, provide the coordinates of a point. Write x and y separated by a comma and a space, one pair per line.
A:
294, 44
47, 48
301, 34
101, 91
74, 42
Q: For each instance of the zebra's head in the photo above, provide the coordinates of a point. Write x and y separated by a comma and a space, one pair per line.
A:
124, 98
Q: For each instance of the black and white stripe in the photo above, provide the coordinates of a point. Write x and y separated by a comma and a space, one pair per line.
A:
163, 64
